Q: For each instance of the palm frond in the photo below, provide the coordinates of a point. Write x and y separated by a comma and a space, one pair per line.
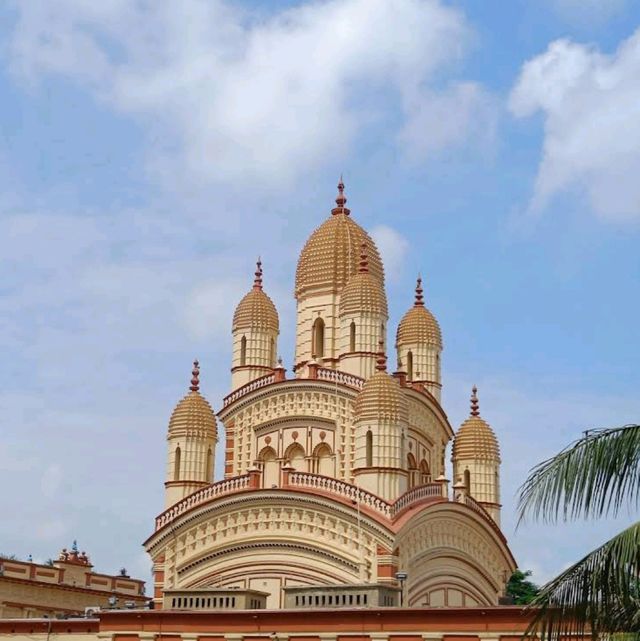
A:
595, 476
598, 596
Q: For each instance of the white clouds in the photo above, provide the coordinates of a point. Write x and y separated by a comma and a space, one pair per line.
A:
393, 248
227, 96
591, 107
462, 114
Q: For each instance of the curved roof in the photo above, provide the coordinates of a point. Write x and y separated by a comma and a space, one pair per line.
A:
330, 255
256, 310
381, 397
363, 292
193, 413
475, 439
419, 326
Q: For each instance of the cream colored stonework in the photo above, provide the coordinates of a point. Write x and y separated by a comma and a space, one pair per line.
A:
336, 473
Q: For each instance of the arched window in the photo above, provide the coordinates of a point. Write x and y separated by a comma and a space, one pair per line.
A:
272, 353
425, 474
323, 460
467, 480
243, 351
295, 456
412, 466
270, 468
209, 466
410, 365
383, 337
176, 464
352, 337
317, 347
369, 444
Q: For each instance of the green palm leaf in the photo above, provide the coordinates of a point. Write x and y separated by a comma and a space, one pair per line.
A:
599, 595
595, 476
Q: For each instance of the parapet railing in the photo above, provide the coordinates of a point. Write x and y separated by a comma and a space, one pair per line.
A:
420, 493
226, 486
336, 376
263, 381
341, 488
476, 507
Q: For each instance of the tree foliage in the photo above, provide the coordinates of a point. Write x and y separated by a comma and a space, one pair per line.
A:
594, 477
520, 589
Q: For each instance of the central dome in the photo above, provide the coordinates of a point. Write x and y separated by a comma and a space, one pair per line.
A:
331, 255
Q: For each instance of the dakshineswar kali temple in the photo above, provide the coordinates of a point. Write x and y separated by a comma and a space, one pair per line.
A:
335, 489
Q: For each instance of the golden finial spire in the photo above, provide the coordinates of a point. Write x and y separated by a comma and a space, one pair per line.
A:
257, 281
341, 200
195, 376
475, 406
364, 261
419, 296
381, 361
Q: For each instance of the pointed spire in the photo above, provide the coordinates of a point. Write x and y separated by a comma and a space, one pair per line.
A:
257, 281
381, 361
475, 406
364, 261
419, 296
195, 376
341, 200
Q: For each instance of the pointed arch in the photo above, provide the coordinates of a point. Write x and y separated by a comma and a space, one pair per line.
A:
209, 477
425, 473
177, 455
296, 456
323, 460
272, 352
467, 480
410, 365
352, 337
243, 350
369, 448
269, 464
412, 466
317, 344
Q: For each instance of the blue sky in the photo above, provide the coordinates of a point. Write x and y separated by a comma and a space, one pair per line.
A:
150, 151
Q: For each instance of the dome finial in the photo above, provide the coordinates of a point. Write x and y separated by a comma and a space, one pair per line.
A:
364, 261
475, 406
381, 361
257, 281
341, 200
419, 296
195, 376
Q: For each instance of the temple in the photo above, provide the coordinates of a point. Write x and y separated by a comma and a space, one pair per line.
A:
335, 490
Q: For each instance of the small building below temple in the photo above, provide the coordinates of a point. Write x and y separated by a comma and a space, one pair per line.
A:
67, 587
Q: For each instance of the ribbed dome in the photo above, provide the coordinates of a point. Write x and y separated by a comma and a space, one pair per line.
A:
475, 439
363, 293
256, 309
193, 413
330, 256
418, 325
381, 398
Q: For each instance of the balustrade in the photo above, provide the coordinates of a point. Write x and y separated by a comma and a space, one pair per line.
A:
226, 486
263, 381
335, 376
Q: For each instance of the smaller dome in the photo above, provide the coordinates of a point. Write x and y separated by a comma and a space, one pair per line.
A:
419, 325
363, 293
475, 439
193, 413
381, 397
256, 310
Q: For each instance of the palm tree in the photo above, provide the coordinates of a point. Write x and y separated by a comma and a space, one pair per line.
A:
594, 477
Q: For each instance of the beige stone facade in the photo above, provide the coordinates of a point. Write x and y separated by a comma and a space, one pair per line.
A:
65, 588
334, 476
